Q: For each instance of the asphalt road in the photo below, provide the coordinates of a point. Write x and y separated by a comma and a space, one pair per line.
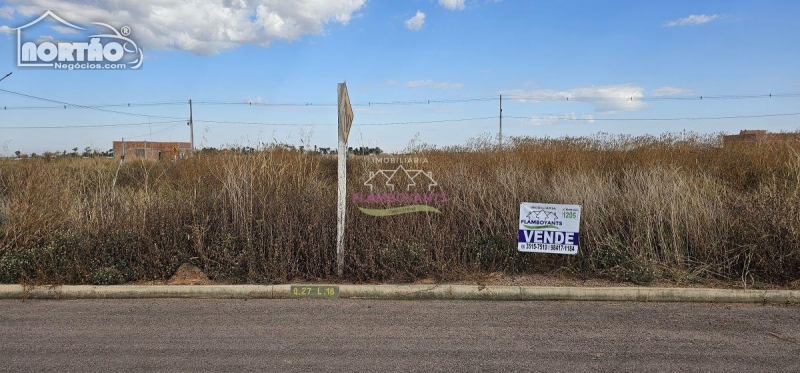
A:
381, 336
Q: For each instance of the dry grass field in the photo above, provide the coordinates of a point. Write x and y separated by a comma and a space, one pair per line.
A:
675, 207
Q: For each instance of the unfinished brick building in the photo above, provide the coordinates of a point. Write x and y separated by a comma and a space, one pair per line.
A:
150, 150
760, 136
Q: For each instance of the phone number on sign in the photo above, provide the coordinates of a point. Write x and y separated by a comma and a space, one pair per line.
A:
549, 247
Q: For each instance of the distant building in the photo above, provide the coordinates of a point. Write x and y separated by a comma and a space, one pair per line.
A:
155, 151
759, 136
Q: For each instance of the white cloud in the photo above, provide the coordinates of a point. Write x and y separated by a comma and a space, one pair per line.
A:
416, 22
452, 4
670, 91
44, 38
6, 12
257, 100
203, 26
6, 30
448, 85
552, 119
419, 83
605, 99
692, 20
64, 30
434, 84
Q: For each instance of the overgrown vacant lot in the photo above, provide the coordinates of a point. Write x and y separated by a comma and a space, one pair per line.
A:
653, 208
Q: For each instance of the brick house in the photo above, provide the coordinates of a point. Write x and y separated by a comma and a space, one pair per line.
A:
150, 150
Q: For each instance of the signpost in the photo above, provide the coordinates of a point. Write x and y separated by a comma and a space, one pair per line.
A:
548, 228
345, 122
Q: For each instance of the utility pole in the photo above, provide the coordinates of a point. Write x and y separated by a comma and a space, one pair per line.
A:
191, 126
501, 122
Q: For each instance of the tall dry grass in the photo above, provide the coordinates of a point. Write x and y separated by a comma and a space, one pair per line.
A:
678, 207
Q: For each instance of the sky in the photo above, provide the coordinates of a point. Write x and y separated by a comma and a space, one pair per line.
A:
261, 72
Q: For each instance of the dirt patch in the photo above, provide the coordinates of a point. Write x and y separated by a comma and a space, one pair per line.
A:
188, 274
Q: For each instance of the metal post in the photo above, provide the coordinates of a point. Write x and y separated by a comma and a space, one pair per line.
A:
191, 126
501, 122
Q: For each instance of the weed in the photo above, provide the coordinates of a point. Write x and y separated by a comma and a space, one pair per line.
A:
680, 203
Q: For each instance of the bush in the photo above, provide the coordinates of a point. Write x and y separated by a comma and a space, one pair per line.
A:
14, 267
107, 276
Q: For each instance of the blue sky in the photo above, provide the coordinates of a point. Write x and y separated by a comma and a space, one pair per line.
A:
537, 54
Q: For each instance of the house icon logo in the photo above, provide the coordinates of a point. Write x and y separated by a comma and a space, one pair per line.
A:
539, 213
106, 50
395, 180
400, 191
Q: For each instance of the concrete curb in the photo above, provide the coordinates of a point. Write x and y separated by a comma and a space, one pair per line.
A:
442, 292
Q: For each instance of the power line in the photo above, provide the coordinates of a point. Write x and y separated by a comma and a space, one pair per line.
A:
263, 104
360, 124
454, 120
656, 119
555, 97
564, 97
368, 103
84, 106
91, 126
511, 117
428, 121
428, 102
62, 107
153, 133
726, 97
239, 103
103, 107
262, 123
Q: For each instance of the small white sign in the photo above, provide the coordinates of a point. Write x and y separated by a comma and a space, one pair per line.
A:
548, 228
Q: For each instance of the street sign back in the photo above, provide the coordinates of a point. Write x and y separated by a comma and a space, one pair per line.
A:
345, 112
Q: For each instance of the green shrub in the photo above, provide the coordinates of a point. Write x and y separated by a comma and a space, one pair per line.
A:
107, 276
15, 267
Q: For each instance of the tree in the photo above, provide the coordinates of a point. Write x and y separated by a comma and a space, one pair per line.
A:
17, 153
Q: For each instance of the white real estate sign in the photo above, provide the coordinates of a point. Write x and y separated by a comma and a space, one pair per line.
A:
548, 228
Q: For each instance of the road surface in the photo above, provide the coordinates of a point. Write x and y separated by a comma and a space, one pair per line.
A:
381, 336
